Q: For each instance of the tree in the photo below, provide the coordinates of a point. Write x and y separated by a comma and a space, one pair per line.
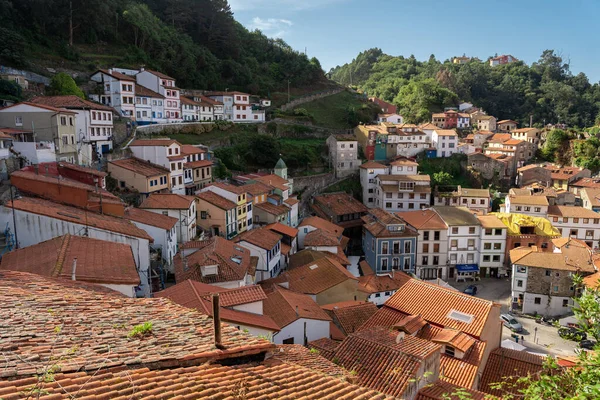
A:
10, 90
555, 140
441, 178
62, 85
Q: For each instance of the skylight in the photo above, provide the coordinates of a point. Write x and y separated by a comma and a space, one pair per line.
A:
314, 266
236, 259
460, 316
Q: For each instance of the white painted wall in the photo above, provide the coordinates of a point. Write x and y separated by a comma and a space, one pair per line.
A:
186, 221
315, 329
127, 290
254, 308
164, 240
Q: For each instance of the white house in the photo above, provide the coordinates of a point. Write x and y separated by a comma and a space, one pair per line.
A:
226, 101
492, 248
402, 192
463, 121
445, 141
464, 232
38, 220
118, 91
162, 228
149, 106
368, 173
165, 85
266, 245
190, 109
178, 206
536, 206
474, 199
576, 222
300, 318
391, 118
166, 153
314, 223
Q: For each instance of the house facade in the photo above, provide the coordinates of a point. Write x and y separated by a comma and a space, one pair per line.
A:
118, 91
343, 154
492, 246
577, 223
177, 206
139, 175
166, 153
368, 172
266, 245
164, 85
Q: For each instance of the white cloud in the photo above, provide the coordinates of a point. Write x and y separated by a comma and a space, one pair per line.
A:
274, 27
291, 5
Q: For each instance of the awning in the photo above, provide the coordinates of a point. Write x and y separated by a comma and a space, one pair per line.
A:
467, 267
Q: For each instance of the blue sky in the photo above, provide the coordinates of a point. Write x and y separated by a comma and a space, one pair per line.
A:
335, 31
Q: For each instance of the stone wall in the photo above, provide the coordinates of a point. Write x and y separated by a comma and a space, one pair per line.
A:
309, 186
169, 128
308, 98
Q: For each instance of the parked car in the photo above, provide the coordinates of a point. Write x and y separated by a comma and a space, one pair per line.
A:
511, 323
572, 333
471, 289
587, 344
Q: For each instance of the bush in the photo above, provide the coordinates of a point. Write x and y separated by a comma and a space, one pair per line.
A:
301, 112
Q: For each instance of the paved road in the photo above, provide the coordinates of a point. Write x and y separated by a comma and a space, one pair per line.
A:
545, 340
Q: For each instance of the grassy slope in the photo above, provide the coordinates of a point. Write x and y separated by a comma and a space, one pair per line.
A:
450, 164
331, 111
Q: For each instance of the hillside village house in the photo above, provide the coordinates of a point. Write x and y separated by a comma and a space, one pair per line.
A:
464, 231
484, 122
266, 245
368, 173
533, 173
197, 168
507, 125
240, 307
501, 60
542, 282
237, 107
343, 154
503, 145
238, 195
386, 108
289, 240
177, 206
164, 85
216, 215
590, 199
65, 257
149, 106
445, 142
215, 261
402, 190
93, 125
142, 176
38, 220
492, 246
445, 120
577, 223
432, 243
166, 153
576, 186
162, 228
474, 199
562, 177
190, 109
388, 242
48, 124
536, 206
118, 91
314, 223
391, 118
530, 135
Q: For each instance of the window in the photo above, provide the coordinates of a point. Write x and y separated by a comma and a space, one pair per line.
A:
575, 220
565, 303
425, 260
548, 273
574, 232
436, 248
455, 230
496, 258
449, 351
519, 283
384, 248
471, 243
425, 247
521, 270
407, 247
436, 235
63, 121
497, 246
537, 300
537, 209
426, 235
555, 289
586, 220
555, 219
384, 264
488, 231
589, 233
454, 243
388, 205
19, 120
487, 246
519, 208
486, 258
471, 230
498, 232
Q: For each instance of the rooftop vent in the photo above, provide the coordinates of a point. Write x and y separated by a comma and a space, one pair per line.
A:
460, 316
314, 266
236, 259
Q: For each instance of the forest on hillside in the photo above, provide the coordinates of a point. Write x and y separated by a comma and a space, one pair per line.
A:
198, 42
546, 90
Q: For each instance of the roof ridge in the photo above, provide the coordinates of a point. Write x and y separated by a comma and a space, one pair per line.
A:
454, 292
391, 347
62, 253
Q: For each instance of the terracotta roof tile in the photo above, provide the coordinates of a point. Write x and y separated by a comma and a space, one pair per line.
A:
98, 261
507, 365
314, 277
457, 339
408, 300
56, 181
143, 91
167, 201
529, 200
79, 168
349, 317
154, 142
257, 188
325, 346
70, 102
141, 167
373, 165
306, 256
191, 149
373, 283
272, 208
232, 261
411, 324
261, 237
320, 223
296, 354
78, 216
228, 297
572, 212
339, 203
440, 390
319, 237
149, 218
198, 164
283, 229
285, 307
42, 106
117, 75
227, 187
274, 180
93, 330
377, 222
216, 200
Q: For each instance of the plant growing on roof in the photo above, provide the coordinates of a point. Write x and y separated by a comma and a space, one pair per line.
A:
140, 330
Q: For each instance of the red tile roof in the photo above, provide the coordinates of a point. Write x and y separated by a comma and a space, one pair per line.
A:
198, 164
261, 237
285, 307
159, 74
149, 218
372, 165
98, 261
457, 339
79, 168
408, 300
60, 181
507, 365
349, 317
43, 106
274, 180
283, 229
142, 167
117, 75
272, 208
216, 200
325, 346
70, 102
306, 256
441, 390
232, 261
143, 91
373, 283
228, 187
188, 149
382, 363
423, 219
320, 223
296, 354
228, 297
339, 204
154, 142
319, 237
44, 318
271, 379
376, 221
167, 201
411, 324
314, 277
78, 216
257, 188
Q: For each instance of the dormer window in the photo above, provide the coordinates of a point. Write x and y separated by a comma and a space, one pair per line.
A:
449, 351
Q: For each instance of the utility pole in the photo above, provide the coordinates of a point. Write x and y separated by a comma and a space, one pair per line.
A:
531, 120
12, 202
288, 90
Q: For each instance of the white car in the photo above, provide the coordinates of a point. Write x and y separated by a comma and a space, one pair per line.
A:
511, 323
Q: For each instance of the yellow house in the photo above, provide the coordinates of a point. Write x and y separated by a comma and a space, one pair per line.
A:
143, 176
238, 195
216, 215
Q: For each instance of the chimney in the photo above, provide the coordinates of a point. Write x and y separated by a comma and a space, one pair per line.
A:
36, 168
217, 321
297, 312
74, 269
110, 70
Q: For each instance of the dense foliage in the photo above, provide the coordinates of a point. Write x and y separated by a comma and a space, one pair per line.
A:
63, 85
196, 41
546, 89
